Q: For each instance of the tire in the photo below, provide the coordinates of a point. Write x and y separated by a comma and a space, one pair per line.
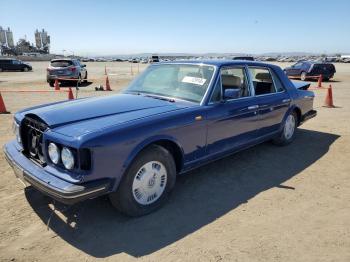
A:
131, 195
25, 69
0, 69
289, 130
85, 78
52, 83
326, 79
303, 76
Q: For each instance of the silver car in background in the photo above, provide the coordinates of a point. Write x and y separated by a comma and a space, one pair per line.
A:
66, 69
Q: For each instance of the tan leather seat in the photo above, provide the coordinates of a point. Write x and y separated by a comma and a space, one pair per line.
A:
264, 77
231, 81
264, 85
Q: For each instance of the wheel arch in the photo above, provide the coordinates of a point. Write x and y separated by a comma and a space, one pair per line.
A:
298, 112
293, 108
169, 143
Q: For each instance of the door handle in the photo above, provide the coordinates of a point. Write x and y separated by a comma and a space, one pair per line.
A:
286, 100
253, 107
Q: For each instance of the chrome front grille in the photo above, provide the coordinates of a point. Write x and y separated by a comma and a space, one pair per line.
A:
32, 130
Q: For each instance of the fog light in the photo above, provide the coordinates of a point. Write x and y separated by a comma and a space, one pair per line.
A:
67, 158
54, 153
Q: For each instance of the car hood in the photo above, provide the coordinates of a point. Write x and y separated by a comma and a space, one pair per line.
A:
77, 117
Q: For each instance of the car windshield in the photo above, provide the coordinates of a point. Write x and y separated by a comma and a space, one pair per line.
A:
184, 81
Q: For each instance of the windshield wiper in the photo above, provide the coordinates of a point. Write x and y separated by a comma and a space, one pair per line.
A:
161, 98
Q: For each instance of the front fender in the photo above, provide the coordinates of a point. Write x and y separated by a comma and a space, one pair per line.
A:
142, 145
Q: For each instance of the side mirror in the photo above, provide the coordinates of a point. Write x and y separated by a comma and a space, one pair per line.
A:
231, 93
83, 65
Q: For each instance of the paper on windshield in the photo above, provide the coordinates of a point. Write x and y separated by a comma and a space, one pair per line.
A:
194, 80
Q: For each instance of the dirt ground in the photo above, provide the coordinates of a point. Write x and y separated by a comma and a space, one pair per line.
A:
266, 203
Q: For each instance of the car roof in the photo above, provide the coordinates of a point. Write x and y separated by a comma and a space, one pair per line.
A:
219, 63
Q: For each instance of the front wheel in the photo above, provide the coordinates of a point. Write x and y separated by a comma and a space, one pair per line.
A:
288, 132
147, 183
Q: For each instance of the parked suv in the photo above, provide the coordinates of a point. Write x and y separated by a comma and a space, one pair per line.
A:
154, 59
306, 69
66, 69
11, 64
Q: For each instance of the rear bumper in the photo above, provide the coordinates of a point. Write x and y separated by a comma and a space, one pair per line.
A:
61, 77
308, 115
58, 189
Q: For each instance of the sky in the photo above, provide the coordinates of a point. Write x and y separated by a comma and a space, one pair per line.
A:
87, 27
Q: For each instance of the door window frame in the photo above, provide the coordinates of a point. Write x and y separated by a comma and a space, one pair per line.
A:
272, 77
219, 81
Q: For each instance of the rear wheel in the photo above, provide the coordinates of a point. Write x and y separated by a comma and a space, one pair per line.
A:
147, 183
303, 76
25, 69
288, 132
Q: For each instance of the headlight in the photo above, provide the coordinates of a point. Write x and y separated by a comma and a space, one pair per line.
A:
54, 153
67, 158
16, 131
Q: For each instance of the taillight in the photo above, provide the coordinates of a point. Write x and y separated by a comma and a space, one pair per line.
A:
72, 69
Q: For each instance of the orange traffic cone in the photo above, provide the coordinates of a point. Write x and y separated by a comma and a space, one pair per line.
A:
319, 82
108, 87
105, 70
57, 87
70, 94
329, 98
2, 106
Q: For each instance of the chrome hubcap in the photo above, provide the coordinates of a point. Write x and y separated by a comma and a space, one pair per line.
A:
149, 183
289, 127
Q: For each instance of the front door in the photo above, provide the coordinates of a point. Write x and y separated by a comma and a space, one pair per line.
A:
231, 122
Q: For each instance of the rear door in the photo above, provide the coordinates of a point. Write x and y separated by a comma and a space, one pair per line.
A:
272, 98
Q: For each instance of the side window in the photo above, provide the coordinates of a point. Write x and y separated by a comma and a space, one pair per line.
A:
235, 78
278, 83
262, 81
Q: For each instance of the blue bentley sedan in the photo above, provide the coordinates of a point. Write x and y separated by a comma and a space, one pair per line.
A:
174, 117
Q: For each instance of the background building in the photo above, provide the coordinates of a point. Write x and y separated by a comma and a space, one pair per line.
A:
6, 37
42, 40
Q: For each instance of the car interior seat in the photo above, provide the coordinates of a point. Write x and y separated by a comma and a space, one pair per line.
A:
234, 82
264, 85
